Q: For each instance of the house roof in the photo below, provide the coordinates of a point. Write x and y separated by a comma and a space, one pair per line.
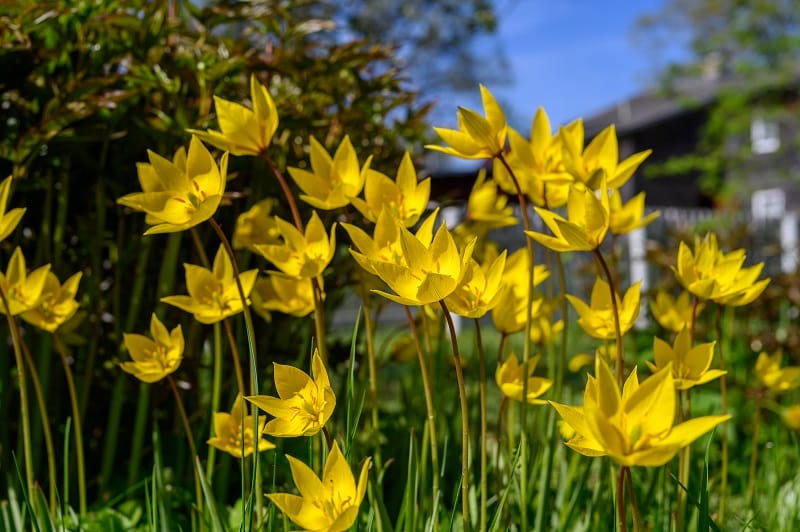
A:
655, 105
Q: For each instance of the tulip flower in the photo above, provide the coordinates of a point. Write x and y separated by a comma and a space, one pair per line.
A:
690, 364
479, 288
154, 358
56, 304
772, 376
597, 318
511, 375
22, 289
476, 137
624, 218
673, 314
709, 273
8, 220
326, 504
257, 226
244, 131
633, 426
301, 255
487, 208
584, 228
213, 295
332, 182
791, 416
405, 198
233, 432
178, 194
304, 404
600, 159
283, 294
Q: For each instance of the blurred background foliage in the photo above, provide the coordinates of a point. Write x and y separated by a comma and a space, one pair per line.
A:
87, 87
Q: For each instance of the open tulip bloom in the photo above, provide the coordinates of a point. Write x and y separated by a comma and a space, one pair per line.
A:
634, 426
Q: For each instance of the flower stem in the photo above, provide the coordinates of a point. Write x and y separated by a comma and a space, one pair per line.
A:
48, 436
188, 429
76, 421
751, 483
617, 329
637, 518
621, 517
462, 393
723, 391
482, 391
216, 389
23, 395
373, 376
426, 386
237, 365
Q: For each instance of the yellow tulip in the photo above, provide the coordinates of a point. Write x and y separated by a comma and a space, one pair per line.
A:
301, 255
22, 289
405, 198
332, 182
511, 375
486, 208
213, 294
597, 318
329, 503
690, 364
244, 131
772, 376
154, 358
791, 416
56, 304
8, 220
304, 404
283, 294
624, 218
634, 426
600, 159
711, 274
478, 291
233, 432
673, 314
586, 224
476, 137
179, 194
257, 226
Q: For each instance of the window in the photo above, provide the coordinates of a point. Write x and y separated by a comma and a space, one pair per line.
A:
764, 136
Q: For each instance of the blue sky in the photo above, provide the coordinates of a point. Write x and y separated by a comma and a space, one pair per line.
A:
574, 57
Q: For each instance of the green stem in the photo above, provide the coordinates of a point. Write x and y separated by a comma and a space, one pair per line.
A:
216, 388
621, 517
319, 318
76, 421
48, 436
482, 391
562, 355
23, 394
373, 377
237, 365
751, 484
190, 438
251, 345
426, 386
723, 389
462, 394
611, 288
637, 518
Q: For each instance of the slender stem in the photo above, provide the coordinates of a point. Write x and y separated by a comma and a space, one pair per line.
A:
319, 318
482, 391
462, 393
426, 386
751, 484
76, 421
637, 517
216, 388
373, 375
251, 348
48, 436
526, 351
621, 517
198, 244
723, 391
237, 365
23, 394
286, 191
611, 288
188, 429
562, 352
